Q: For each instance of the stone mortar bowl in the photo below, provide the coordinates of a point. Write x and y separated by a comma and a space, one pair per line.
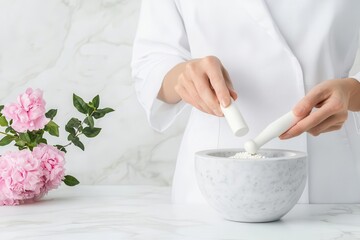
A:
251, 190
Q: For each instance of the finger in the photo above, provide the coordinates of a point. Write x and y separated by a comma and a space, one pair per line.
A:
222, 92
229, 84
333, 128
313, 119
202, 86
331, 107
334, 120
233, 94
217, 81
185, 96
314, 98
320, 104
190, 88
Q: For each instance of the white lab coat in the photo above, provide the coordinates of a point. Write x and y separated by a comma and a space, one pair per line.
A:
275, 51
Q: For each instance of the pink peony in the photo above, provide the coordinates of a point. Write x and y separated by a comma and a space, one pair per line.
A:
28, 113
52, 162
27, 176
21, 177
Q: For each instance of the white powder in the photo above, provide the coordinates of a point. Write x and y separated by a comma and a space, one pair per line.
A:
244, 155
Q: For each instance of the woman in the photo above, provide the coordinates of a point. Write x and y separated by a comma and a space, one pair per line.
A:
269, 55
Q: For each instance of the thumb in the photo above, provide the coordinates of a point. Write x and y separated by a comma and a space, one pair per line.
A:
233, 94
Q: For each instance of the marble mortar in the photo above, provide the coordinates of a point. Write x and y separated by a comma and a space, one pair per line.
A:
251, 190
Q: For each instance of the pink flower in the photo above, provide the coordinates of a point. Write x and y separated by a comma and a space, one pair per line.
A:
52, 162
21, 177
28, 113
27, 176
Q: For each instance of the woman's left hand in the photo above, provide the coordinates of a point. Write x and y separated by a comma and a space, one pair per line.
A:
333, 99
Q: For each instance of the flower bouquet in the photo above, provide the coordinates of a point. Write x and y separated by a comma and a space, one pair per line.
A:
37, 167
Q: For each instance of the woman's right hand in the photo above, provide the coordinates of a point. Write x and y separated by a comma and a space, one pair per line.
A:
204, 83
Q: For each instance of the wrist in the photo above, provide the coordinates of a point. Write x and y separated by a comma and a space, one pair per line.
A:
353, 86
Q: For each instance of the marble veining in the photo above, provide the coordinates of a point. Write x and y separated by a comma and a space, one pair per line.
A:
66, 46
145, 212
251, 190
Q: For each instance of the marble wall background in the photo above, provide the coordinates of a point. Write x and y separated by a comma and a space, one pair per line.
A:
66, 46
85, 47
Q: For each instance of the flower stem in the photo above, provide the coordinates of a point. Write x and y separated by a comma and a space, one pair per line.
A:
4, 133
69, 143
78, 133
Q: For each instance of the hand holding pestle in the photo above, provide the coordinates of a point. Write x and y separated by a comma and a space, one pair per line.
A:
273, 130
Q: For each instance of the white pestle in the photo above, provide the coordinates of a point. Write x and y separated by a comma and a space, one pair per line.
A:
235, 120
273, 130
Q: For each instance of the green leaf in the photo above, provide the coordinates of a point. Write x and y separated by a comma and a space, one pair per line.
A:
89, 121
1, 107
10, 130
61, 148
102, 112
96, 101
25, 137
91, 132
70, 130
70, 180
79, 104
52, 128
43, 140
20, 143
97, 115
90, 110
3, 121
6, 140
37, 137
78, 143
71, 137
74, 122
51, 113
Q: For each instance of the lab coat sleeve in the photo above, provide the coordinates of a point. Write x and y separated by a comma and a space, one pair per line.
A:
356, 76
160, 44
357, 114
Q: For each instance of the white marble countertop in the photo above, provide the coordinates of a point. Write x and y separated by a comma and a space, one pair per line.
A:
138, 212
